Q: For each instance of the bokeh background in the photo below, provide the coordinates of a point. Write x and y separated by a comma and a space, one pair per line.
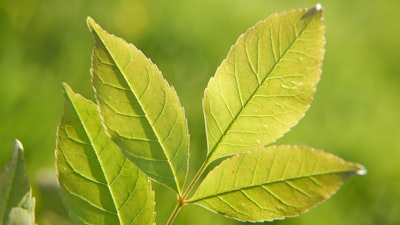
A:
355, 113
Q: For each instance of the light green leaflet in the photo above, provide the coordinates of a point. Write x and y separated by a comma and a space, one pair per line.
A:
98, 183
265, 84
17, 205
273, 183
141, 112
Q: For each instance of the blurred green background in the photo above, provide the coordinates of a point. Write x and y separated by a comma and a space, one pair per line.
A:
355, 113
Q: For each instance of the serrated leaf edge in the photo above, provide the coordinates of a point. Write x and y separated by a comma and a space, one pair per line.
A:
68, 92
360, 171
317, 8
93, 26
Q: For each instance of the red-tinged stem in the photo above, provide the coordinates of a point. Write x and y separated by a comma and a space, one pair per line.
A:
182, 200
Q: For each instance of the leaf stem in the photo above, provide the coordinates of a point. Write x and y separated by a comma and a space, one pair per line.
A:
182, 200
195, 179
177, 209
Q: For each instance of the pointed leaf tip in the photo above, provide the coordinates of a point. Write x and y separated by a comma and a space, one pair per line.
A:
66, 87
18, 145
362, 171
90, 23
68, 92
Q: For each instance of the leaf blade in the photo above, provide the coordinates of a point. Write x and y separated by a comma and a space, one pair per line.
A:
141, 112
17, 205
98, 184
266, 83
273, 183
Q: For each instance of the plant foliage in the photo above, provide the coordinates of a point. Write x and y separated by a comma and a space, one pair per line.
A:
272, 182
99, 184
265, 84
131, 93
108, 152
16, 202
261, 90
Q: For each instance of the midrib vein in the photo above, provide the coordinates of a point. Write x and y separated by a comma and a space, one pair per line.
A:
120, 69
94, 147
269, 183
219, 141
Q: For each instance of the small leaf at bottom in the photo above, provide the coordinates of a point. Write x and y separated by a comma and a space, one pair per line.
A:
16, 202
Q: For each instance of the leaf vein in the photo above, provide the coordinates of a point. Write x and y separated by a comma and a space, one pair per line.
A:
244, 104
251, 64
148, 118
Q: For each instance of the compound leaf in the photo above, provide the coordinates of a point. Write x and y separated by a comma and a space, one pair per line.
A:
98, 183
17, 205
141, 112
272, 183
266, 83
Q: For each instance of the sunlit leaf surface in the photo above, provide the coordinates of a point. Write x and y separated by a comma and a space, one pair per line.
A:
98, 183
265, 84
142, 113
273, 183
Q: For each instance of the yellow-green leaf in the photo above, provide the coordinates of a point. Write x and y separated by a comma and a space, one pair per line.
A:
273, 183
141, 112
266, 83
17, 206
98, 183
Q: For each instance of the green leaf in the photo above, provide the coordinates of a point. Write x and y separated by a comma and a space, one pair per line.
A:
266, 83
98, 183
17, 206
141, 112
272, 183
